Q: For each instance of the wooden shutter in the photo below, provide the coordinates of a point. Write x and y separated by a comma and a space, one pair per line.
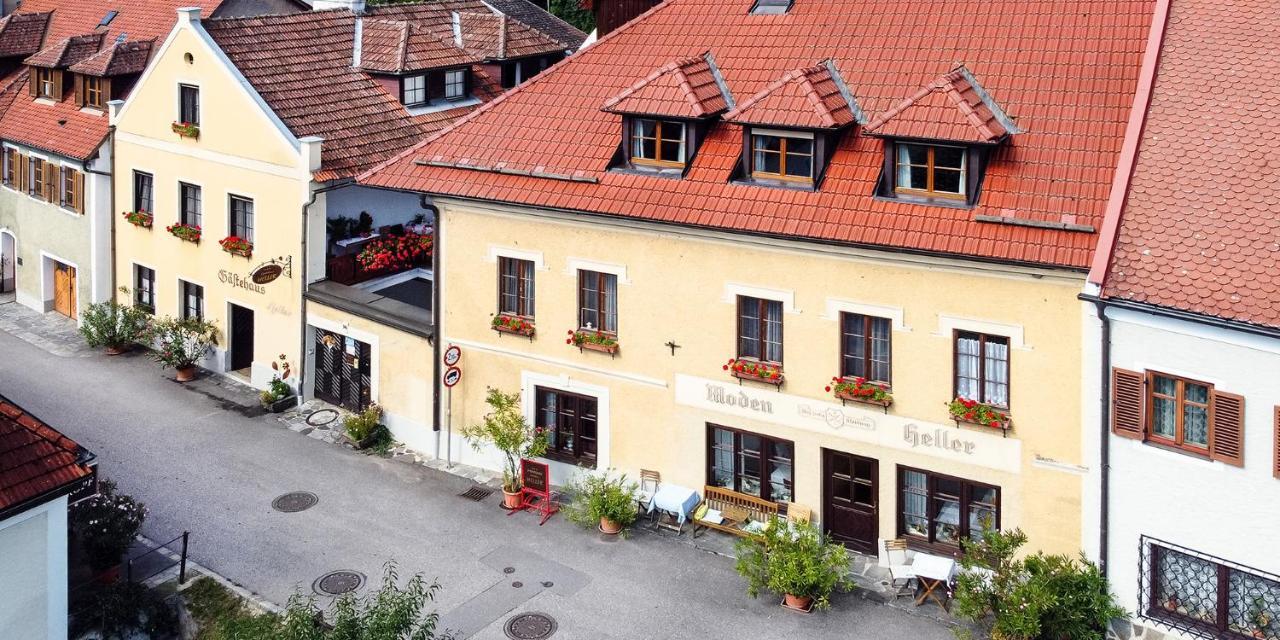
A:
105, 85
52, 183
1275, 442
32, 80
79, 199
1226, 428
57, 85
20, 172
1128, 403
77, 83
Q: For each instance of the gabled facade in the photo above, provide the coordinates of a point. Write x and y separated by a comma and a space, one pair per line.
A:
766, 318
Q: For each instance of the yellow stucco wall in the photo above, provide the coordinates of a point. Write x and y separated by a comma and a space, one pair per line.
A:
239, 152
679, 287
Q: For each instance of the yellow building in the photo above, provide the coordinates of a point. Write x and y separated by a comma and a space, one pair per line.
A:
691, 251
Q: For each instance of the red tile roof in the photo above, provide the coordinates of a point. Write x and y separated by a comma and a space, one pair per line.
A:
1199, 230
66, 52
1066, 70
953, 107
809, 98
398, 46
35, 460
63, 128
21, 34
120, 58
684, 88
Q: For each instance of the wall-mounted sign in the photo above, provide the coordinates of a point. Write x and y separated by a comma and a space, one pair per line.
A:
271, 270
451, 376
870, 426
240, 282
452, 355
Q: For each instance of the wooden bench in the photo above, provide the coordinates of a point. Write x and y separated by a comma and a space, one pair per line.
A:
737, 509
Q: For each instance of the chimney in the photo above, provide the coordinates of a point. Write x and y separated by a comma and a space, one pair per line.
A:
354, 6
611, 14
188, 16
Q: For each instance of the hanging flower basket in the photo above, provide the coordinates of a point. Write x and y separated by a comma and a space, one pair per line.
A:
139, 218
593, 340
752, 370
187, 130
513, 325
980, 414
237, 246
188, 232
858, 389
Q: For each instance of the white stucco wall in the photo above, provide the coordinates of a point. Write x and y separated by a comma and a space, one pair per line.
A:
1211, 507
33, 573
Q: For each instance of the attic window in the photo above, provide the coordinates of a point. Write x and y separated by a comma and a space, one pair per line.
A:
413, 90
934, 171
771, 7
657, 142
48, 83
778, 155
106, 20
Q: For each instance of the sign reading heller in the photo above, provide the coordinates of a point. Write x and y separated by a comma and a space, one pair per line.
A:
535, 478
864, 425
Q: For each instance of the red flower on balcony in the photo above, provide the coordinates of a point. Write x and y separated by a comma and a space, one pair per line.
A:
183, 231
395, 253
512, 324
981, 414
187, 129
753, 370
860, 389
237, 246
139, 218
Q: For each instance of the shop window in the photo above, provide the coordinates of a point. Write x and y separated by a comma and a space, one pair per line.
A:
192, 301
760, 329
515, 287
570, 422
864, 347
750, 463
598, 301
143, 198
190, 204
982, 368
144, 288
938, 511
242, 218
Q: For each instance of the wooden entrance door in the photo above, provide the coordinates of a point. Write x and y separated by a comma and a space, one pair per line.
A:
342, 368
241, 337
64, 289
849, 511
8, 262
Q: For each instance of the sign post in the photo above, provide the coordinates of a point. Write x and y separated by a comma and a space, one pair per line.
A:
452, 374
535, 492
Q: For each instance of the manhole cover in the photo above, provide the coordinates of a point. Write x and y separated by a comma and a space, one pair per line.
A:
476, 493
337, 583
530, 626
321, 417
295, 501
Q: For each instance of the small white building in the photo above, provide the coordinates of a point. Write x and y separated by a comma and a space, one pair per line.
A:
41, 470
1186, 292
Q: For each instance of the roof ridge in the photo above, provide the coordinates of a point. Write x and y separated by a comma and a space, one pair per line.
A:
811, 94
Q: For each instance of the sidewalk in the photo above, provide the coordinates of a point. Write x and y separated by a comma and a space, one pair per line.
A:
54, 333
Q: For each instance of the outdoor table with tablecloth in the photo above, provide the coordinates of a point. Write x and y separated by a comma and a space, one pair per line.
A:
933, 573
675, 500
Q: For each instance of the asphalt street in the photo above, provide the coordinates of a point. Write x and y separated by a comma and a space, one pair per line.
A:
202, 466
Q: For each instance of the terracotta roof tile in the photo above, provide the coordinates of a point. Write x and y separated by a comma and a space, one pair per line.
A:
121, 58
34, 458
398, 46
1068, 70
1199, 231
684, 88
21, 34
953, 107
67, 51
810, 98
544, 22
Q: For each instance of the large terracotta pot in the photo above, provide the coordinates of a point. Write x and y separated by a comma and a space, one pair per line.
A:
610, 527
511, 500
185, 374
115, 351
799, 603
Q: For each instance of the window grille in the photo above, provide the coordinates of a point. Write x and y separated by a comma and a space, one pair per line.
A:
1198, 594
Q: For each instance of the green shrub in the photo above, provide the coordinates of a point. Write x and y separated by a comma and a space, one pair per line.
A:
571, 11
124, 610
361, 425
278, 390
181, 343
106, 524
1040, 597
597, 496
506, 429
796, 559
114, 325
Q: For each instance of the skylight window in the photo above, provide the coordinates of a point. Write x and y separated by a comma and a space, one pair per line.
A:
771, 7
106, 20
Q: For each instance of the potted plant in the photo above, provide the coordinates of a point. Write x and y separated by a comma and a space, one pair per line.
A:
1259, 618
184, 231
860, 389
795, 560
139, 218
187, 129
593, 339
981, 414
395, 253
181, 343
503, 323
365, 429
105, 526
278, 397
114, 326
753, 370
237, 246
609, 504
506, 429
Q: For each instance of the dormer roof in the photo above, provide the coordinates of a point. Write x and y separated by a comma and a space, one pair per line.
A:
21, 34
810, 98
500, 37
67, 52
120, 58
690, 87
954, 107
398, 46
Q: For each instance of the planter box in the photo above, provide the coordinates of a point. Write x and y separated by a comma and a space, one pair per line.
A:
1004, 430
852, 398
244, 253
192, 131
610, 349
742, 375
142, 221
283, 404
526, 333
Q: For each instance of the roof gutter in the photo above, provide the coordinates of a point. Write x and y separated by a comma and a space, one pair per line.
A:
1132, 142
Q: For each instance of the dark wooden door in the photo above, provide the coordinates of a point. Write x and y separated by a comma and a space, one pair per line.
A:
355, 374
241, 337
849, 511
328, 366
64, 289
342, 370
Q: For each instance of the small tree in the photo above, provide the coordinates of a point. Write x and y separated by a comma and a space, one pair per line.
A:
1050, 597
794, 559
506, 429
181, 343
599, 497
113, 325
572, 11
106, 525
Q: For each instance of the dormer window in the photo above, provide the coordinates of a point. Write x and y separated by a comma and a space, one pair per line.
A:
933, 171
782, 155
94, 92
455, 84
435, 88
413, 90
48, 83
657, 142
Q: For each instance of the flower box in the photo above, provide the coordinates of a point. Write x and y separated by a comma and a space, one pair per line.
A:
751, 370
393, 254
979, 414
139, 218
237, 246
860, 390
513, 325
188, 232
593, 340
187, 130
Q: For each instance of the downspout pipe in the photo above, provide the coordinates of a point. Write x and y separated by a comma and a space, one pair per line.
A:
1104, 434
302, 295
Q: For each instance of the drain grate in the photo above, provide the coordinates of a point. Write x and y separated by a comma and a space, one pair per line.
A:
322, 417
336, 583
476, 493
295, 501
530, 626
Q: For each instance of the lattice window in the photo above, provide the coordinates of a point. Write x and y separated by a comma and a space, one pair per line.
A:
1195, 593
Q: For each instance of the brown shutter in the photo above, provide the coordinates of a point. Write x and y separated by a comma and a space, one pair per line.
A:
78, 83
51, 187
105, 85
1128, 400
79, 201
1275, 443
31, 81
1226, 428
57, 85
20, 172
